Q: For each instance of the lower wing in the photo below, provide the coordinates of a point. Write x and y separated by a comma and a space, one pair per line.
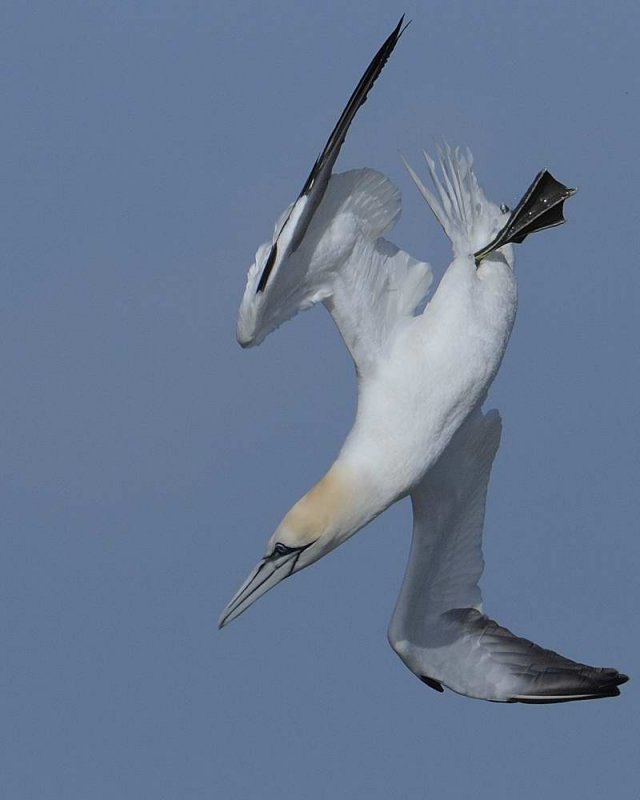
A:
438, 628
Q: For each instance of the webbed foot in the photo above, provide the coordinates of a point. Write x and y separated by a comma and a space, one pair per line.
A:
540, 207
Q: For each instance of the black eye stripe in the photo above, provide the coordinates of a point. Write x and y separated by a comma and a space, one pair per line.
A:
281, 549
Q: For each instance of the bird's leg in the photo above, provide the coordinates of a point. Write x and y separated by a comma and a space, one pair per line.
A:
540, 207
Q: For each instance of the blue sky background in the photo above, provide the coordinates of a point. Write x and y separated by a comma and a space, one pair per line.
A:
145, 459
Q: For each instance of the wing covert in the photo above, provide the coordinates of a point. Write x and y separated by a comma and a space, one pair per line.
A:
446, 562
310, 242
368, 284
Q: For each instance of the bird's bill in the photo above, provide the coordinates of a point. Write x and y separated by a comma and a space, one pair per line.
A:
541, 207
269, 572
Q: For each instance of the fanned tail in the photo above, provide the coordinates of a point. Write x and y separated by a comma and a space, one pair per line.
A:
461, 207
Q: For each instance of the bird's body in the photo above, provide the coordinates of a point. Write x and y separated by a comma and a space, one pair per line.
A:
437, 369
420, 373
424, 366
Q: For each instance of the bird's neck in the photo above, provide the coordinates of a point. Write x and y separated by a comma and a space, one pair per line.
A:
335, 508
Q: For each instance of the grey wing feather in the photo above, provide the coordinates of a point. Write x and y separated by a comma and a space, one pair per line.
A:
531, 674
438, 628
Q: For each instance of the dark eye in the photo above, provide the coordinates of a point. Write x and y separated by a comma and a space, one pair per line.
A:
504, 208
281, 549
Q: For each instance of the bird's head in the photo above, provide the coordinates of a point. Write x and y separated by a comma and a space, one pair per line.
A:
317, 523
280, 561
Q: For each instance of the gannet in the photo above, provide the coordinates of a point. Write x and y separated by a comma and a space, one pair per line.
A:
420, 375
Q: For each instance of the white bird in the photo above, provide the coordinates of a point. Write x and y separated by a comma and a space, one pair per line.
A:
420, 375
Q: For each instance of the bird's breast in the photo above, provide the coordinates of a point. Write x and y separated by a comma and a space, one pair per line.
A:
437, 371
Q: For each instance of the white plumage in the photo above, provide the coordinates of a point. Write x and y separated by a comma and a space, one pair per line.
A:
422, 377
419, 376
438, 627
367, 283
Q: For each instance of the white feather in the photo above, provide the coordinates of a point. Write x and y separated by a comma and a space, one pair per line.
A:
367, 284
461, 207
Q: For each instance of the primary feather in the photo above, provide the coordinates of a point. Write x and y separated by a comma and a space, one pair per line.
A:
438, 628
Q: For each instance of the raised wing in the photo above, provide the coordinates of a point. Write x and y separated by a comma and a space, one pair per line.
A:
296, 220
368, 285
332, 229
438, 628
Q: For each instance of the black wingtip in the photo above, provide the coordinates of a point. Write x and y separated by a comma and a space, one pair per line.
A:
323, 165
400, 28
431, 683
622, 678
600, 682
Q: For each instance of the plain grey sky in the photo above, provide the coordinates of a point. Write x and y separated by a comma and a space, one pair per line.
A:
145, 459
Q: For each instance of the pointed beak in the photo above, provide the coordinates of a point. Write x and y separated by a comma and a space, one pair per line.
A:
269, 572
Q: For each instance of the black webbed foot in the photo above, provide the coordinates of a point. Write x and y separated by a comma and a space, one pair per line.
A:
540, 207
